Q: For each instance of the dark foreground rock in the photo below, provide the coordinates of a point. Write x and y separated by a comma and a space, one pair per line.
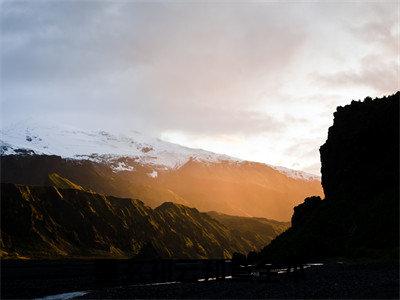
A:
356, 281
359, 216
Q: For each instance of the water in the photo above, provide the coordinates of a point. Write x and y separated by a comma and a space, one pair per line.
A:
64, 296
71, 295
305, 266
212, 278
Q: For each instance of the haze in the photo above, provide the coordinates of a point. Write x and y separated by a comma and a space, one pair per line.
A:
254, 80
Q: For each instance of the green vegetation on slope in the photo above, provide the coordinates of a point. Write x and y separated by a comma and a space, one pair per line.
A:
63, 183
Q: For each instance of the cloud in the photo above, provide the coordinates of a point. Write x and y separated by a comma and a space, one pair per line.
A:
381, 29
262, 74
194, 67
314, 168
377, 69
376, 73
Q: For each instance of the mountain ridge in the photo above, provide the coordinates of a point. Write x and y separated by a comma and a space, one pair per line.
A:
51, 222
247, 189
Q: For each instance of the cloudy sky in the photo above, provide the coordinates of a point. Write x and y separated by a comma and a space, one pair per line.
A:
256, 80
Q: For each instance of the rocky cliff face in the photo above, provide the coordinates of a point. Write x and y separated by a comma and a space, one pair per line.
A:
360, 177
54, 222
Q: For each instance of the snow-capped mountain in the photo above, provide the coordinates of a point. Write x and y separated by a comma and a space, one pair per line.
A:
101, 146
70, 142
136, 166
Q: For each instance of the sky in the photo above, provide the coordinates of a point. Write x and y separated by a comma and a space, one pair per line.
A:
257, 80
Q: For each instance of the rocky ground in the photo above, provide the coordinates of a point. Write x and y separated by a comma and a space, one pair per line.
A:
360, 281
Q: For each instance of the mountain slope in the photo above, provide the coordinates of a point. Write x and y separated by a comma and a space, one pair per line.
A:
62, 183
246, 189
360, 176
152, 170
258, 231
53, 222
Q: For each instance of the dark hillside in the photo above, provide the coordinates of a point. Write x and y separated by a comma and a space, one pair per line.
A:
258, 231
50, 222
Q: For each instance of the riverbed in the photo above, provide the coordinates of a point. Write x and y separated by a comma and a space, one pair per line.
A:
64, 280
340, 281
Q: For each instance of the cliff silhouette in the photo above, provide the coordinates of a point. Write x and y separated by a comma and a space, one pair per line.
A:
359, 216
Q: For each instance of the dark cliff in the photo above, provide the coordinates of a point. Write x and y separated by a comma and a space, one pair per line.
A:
360, 175
361, 155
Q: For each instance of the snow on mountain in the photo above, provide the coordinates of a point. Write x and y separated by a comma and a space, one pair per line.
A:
153, 174
295, 173
69, 142
31, 137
